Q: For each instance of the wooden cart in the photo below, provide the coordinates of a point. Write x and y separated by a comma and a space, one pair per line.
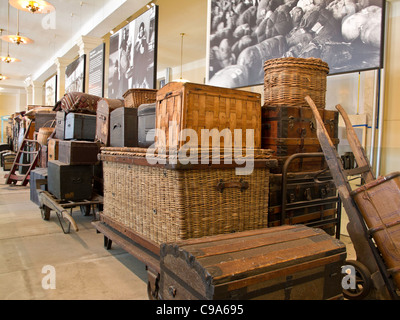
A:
63, 208
378, 273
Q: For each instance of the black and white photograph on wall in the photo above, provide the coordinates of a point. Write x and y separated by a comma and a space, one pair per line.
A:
75, 75
51, 91
96, 71
243, 34
133, 55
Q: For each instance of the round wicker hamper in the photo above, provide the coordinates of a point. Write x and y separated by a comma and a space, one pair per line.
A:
288, 80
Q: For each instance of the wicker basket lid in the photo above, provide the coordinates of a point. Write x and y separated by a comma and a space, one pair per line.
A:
291, 62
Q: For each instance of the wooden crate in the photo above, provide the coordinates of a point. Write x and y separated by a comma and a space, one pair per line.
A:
197, 107
282, 263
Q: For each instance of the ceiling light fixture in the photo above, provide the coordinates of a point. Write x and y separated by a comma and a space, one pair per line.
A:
2, 77
37, 6
17, 38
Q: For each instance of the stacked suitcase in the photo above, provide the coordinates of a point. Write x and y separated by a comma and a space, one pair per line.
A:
72, 153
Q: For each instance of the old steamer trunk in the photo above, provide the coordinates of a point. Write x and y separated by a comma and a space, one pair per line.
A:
282, 263
103, 113
289, 130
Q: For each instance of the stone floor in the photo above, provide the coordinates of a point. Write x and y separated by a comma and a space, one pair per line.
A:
32, 250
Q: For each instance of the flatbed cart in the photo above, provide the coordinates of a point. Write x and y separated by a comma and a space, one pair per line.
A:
378, 262
64, 208
138, 246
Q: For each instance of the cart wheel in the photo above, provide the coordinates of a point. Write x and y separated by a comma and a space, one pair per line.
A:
85, 209
45, 211
363, 282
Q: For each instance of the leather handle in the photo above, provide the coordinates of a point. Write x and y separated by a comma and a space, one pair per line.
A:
241, 184
118, 125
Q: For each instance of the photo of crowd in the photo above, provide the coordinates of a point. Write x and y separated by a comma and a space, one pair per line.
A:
347, 34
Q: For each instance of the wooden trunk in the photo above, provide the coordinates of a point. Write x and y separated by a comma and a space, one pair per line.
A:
103, 113
194, 106
53, 149
146, 125
68, 182
296, 122
283, 263
289, 146
379, 204
80, 126
60, 125
124, 127
8, 161
78, 152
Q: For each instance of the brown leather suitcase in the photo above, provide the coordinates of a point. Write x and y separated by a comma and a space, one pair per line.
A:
78, 152
379, 204
282, 263
104, 109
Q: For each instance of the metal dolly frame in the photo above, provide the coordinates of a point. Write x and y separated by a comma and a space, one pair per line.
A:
49, 202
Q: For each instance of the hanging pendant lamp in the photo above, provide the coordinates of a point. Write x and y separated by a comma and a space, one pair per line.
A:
181, 78
37, 6
8, 59
1, 48
17, 38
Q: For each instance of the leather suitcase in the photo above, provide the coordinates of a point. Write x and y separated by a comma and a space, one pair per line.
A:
68, 182
124, 127
60, 125
37, 174
104, 109
78, 152
146, 125
379, 204
53, 149
282, 263
80, 126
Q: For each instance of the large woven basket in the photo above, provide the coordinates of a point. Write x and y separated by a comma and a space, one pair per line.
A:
287, 81
133, 98
165, 203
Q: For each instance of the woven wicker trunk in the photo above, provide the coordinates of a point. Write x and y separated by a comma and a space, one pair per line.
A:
133, 98
195, 106
165, 203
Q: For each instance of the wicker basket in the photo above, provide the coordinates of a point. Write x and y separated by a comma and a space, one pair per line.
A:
165, 203
200, 107
135, 97
288, 80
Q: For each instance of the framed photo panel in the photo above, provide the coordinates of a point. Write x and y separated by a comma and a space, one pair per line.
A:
242, 35
51, 91
96, 71
75, 75
133, 55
